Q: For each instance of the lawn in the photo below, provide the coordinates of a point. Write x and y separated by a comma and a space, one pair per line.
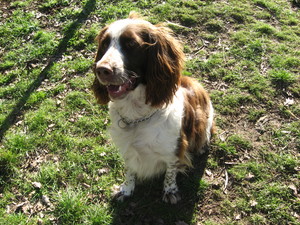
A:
57, 162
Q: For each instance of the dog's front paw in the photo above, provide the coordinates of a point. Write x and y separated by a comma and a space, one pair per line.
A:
121, 196
124, 192
171, 197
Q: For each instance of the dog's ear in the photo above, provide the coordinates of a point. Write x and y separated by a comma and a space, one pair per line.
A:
100, 90
134, 15
164, 66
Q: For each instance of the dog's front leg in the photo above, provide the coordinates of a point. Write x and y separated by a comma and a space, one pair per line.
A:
171, 194
127, 187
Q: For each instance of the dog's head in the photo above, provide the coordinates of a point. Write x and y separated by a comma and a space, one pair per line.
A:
132, 52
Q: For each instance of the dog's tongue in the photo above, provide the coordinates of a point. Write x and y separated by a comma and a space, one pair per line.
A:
116, 91
113, 88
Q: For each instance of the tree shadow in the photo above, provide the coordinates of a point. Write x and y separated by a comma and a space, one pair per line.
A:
146, 205
17, 111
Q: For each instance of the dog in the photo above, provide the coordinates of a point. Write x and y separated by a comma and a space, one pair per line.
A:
158, 116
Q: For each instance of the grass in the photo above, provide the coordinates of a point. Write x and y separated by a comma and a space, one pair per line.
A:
246, 53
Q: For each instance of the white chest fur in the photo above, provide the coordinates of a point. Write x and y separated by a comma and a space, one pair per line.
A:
148, 146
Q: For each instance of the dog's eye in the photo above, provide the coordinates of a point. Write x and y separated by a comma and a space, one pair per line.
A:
105, 43
129, 43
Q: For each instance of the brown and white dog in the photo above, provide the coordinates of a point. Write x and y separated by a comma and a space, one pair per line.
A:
159, 117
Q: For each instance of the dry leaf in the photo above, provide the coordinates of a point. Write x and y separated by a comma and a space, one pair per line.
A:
288, 102
293, 188
45, 200
253, 203
208, 172
238, 217
103, 154
103, 171
86, 185
37, 185
250, 177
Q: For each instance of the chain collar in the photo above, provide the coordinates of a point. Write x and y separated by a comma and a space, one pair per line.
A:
124, 122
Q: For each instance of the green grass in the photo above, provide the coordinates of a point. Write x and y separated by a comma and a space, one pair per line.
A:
246, 53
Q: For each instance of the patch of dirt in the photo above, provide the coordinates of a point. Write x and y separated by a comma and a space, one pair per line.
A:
34, 203
34, 160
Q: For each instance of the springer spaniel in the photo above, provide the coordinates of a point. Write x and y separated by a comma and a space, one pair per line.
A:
159, 117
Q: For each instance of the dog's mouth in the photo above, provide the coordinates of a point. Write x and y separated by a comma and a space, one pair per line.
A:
118, 91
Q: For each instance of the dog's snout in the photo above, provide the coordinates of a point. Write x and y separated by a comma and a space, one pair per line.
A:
104, 70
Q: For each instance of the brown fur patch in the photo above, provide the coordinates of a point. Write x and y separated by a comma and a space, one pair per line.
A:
197, 106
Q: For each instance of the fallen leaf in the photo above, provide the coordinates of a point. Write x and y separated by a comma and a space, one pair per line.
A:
86, 185
238, 217
103, 171
45, 200
293, 188
253, 203
103, 154
208, 172
23, 207
19, 122
250, 177
51, 125
288, 102
37, 185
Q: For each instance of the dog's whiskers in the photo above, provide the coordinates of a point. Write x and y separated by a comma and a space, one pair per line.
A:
128, 74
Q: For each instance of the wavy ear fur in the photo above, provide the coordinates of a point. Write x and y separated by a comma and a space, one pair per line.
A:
100, 90
165, 64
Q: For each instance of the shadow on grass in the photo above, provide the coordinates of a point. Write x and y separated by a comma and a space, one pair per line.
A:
89, 7
5, 167
146, 205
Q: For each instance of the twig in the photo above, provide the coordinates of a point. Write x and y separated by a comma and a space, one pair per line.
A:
176, 24
226, 181
231, 163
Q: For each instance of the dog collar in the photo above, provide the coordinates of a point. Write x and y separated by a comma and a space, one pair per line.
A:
124, 122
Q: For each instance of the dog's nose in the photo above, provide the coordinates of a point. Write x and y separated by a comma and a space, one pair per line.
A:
104, 70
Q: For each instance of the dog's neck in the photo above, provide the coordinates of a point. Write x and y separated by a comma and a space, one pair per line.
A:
133, 107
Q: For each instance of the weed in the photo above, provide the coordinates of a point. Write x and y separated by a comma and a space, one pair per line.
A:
8, 161
255, 114
19, 143
282, 78
214, 26
258, 219
251, 170
289, 62
231, 101
71, 206
188, 20
97, 214
49, 175
15, 219
270, 198
76, 100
